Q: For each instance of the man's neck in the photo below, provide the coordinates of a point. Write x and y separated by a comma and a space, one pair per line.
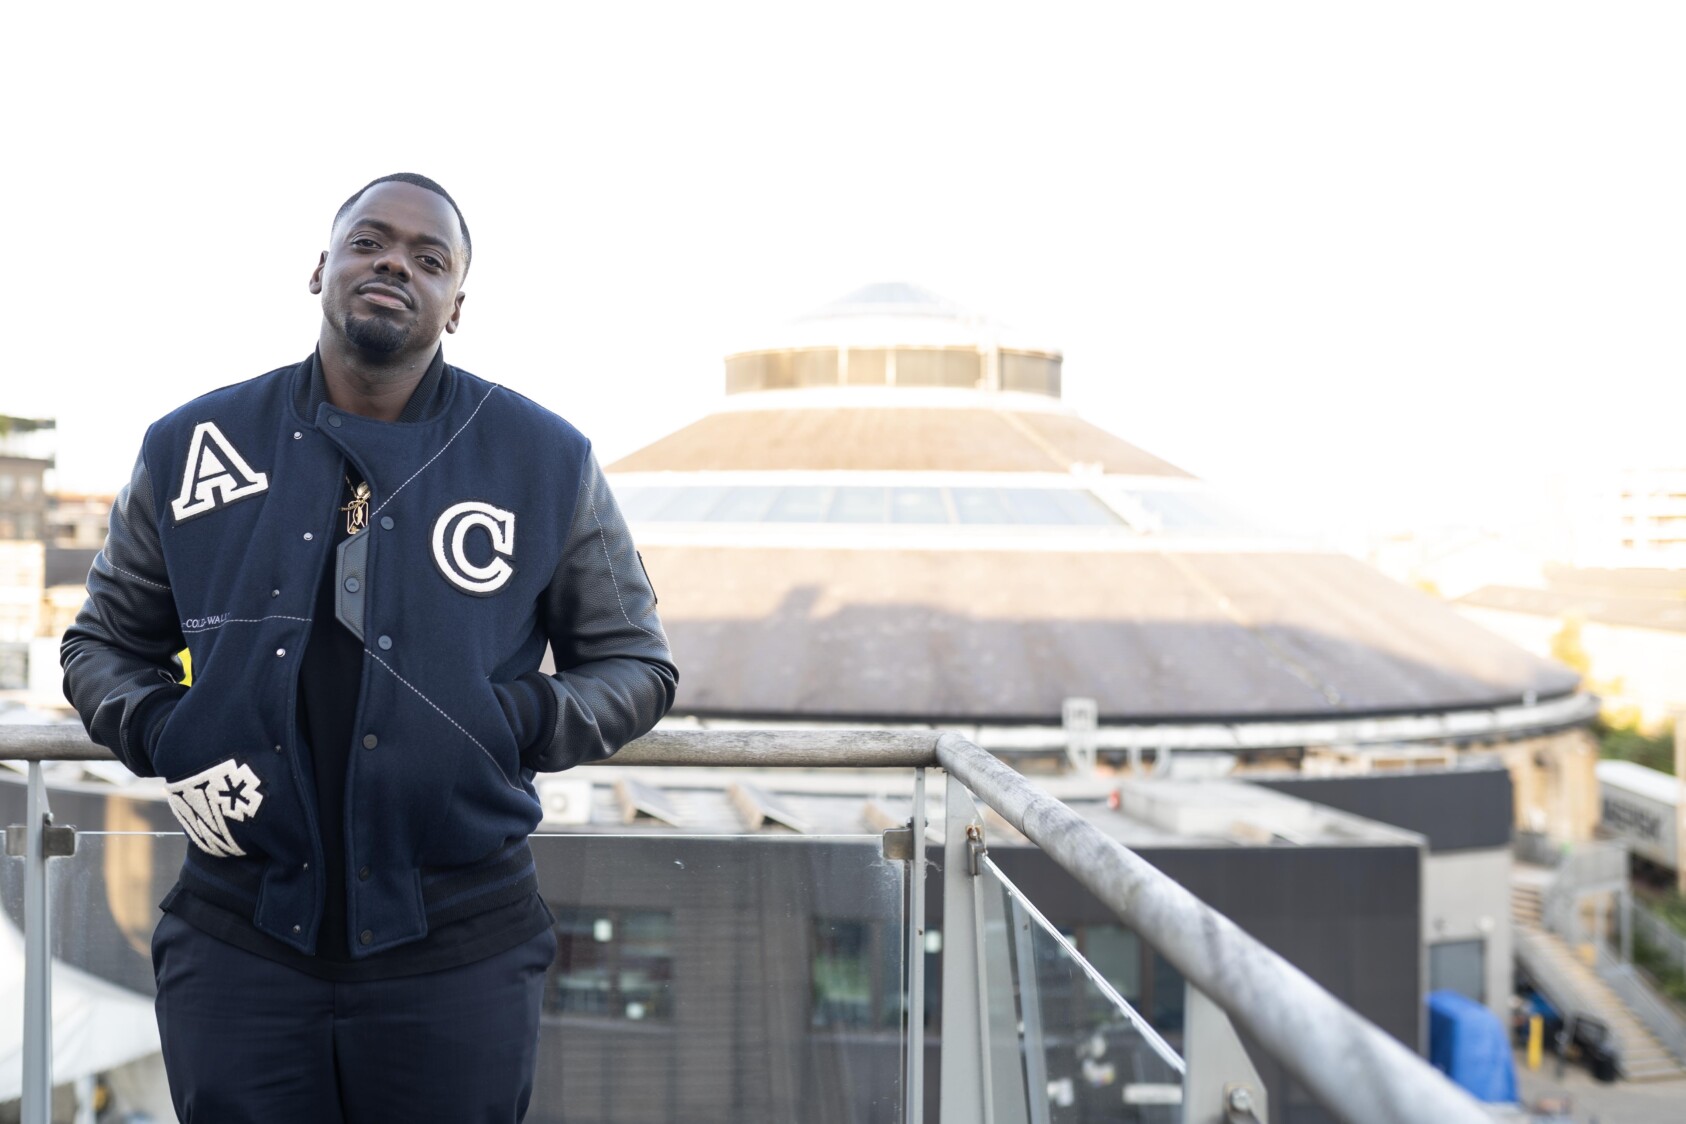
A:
358, 385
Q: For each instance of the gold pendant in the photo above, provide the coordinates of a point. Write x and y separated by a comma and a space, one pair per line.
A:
357, 511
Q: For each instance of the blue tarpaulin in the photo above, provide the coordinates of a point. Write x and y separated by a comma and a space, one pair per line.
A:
1467, 1043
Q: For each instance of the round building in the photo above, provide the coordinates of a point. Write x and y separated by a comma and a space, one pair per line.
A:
893, 518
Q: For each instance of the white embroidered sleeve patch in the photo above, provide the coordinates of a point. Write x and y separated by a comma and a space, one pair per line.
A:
205, 803
216, 475
450, 546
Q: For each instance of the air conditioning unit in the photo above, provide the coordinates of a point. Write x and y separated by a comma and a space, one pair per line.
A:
566, 801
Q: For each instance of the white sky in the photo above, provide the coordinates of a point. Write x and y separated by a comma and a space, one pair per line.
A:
1367, 265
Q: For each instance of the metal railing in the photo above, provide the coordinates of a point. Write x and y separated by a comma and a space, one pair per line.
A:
1352, 1068
1623, 979
1583, 871
1656, 932
1586, 873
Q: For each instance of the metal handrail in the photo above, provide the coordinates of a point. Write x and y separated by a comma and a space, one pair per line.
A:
1353, 1068
1660, 935
1653, 1014
761, 749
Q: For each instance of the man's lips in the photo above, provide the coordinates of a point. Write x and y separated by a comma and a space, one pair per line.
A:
384, 295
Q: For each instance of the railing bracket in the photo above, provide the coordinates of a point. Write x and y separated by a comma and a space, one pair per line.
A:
898, 844
975, 849
56, 842
1239, 1104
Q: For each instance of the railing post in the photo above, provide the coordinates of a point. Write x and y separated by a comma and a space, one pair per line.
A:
1627, 924
35, 841
1221, 1085
37, 960
914, 1111
982, 1075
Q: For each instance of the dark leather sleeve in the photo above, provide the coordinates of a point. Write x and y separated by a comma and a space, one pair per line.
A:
615, 677
119, 658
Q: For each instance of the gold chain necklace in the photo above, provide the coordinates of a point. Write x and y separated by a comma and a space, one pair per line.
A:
357, 511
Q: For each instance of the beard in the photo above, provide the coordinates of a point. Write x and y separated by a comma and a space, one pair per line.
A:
374, 336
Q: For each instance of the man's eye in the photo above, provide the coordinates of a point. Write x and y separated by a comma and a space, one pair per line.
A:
363, 243
432, 262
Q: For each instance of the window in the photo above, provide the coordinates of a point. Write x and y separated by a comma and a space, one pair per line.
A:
1049, 507
946, 366
868, 367
814, 368
8, 484
1191, 513
1035, 374
770, 370
856, 975
917, 505
743, 372
611, 963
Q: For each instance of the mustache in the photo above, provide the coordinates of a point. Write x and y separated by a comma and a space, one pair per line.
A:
388, 286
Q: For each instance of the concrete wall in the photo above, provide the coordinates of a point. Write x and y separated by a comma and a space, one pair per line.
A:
1555, 779
1466, 897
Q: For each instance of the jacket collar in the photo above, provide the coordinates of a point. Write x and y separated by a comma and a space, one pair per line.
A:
427, 401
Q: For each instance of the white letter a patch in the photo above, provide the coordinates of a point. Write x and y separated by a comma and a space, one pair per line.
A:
215, 475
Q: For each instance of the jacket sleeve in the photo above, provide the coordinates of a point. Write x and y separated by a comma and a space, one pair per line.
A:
615, 677
120, 667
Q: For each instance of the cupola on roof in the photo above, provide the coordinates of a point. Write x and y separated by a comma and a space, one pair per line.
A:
894, 334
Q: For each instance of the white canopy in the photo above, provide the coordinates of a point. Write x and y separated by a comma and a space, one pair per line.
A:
97, 1026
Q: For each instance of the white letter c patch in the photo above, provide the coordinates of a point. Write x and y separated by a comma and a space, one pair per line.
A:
450, 542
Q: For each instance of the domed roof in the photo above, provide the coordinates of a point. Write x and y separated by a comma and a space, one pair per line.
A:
969, 552
902, 430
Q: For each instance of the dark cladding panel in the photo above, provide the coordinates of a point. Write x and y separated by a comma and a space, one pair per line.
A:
1457, 809
1348, 917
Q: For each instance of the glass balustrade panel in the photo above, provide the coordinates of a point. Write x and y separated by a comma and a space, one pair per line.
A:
1092, 1044
718, 977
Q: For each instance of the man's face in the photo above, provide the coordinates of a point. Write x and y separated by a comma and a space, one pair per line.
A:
390, 278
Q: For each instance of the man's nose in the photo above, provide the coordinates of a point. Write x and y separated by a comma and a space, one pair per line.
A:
393, 262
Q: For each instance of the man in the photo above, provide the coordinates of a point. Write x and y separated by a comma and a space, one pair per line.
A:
366, 555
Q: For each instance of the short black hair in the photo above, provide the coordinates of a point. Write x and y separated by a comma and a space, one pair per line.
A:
416, 180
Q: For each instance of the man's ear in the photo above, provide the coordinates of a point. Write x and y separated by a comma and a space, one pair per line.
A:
316, 274
456, 313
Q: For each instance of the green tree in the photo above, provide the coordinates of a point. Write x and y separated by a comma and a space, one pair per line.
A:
1627, 741
1566, 646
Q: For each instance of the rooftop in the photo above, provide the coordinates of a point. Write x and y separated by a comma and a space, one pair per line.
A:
1638, 598
965, 436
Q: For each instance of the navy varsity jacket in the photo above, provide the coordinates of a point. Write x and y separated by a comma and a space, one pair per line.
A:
491, 536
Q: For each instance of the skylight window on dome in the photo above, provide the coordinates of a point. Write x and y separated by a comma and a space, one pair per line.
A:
743, 505
860, 505
865, 505
667, 504
801, 505
1192, 513
918, 505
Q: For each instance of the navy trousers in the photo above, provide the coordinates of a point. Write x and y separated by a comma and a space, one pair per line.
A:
249, 1041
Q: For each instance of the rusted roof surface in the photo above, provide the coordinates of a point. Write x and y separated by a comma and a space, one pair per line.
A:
892, 439
1005, 636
